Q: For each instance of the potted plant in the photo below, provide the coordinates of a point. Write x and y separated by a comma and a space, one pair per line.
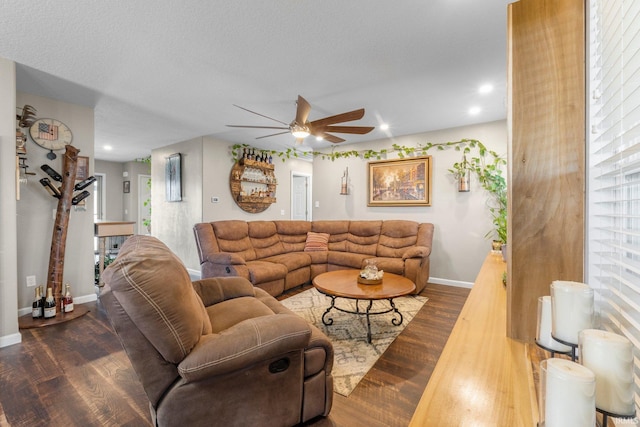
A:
487, 167
462, 173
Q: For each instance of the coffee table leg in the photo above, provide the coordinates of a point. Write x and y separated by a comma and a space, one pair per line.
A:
368, 322
329, 321
396, 322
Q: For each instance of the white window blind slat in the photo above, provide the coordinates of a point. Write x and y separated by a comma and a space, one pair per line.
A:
614, 168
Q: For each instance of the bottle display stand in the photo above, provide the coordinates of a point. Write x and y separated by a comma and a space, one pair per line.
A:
28, 322
253, 184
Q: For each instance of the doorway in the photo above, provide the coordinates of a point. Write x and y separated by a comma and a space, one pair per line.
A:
300, 196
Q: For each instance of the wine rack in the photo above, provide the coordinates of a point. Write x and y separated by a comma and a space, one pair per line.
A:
253, 185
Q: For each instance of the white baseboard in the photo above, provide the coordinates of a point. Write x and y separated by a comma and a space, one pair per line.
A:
447, 282
12, 339
76, 300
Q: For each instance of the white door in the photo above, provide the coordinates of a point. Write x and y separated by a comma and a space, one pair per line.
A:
300, 196
144, 204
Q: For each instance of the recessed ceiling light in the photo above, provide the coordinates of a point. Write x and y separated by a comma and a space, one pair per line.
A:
107, 147
384, 126
485, 88
474, 110
319, 138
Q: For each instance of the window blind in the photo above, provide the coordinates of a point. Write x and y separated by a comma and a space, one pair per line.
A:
614, 172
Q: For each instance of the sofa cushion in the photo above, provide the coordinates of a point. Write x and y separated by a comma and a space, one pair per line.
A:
233, 236
293, 234
337, 230
316, 242
265, 271
291, 261
172, 318
363, 237
346, 259
395, 237
264, 238
228, 313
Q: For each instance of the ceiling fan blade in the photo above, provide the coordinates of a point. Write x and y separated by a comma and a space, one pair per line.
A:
330, 138
262, 115
273, 134
339, 118
257, 127
360, 130
302, 112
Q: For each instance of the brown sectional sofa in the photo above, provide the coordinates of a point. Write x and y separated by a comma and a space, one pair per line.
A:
272, 255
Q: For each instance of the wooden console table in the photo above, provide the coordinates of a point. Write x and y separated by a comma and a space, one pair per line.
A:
104, 229
482, 378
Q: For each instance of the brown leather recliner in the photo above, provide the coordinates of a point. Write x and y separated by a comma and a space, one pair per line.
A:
216, 351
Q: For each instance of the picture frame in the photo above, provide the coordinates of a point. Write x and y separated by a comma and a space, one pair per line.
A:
126, 186
82, 168
400, 182
173, 178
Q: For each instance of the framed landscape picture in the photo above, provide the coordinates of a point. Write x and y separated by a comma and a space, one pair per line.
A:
402, 182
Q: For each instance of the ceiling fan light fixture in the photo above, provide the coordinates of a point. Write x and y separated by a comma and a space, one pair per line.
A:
299, 131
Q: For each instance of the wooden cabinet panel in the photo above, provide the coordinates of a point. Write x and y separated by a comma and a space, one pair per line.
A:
546, 118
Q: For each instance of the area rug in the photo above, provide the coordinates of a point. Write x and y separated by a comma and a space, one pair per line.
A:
353, 356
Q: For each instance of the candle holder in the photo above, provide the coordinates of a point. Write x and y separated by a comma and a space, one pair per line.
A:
606, 415
543, 329
566, 394
610, 357
573, 346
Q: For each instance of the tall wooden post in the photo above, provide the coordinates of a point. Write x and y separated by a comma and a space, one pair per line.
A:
59, 238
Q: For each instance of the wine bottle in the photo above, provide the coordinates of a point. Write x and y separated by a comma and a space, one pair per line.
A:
51, 172
67, 300
49, 305
42, 298
46, 183
84, 184
36, 311
80, 197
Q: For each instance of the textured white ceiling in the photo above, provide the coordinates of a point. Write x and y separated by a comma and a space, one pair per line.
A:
162, 72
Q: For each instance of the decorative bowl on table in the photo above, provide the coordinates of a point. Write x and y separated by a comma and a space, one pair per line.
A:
368, 277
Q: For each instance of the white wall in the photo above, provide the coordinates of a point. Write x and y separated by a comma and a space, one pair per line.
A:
113, 209
35, 209
217, 164
461, 219
9, 333
172, 222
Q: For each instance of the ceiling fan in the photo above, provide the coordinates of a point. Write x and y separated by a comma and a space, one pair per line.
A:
300, 127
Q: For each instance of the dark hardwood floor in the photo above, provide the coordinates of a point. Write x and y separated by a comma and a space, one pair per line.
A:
76, 373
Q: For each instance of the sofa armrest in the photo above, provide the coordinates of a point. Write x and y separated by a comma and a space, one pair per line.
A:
246, 343
225, 258
416, 252
213, 290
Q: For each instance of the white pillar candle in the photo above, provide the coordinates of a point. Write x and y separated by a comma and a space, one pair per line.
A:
571, 309
610, 357
569, 394
543, 331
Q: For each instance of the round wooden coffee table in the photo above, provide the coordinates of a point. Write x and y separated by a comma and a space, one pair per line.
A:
344, 284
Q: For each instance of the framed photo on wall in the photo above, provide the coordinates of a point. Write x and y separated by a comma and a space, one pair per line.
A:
173, 178
401, 182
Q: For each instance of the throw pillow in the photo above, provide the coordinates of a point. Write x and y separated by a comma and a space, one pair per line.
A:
316, 242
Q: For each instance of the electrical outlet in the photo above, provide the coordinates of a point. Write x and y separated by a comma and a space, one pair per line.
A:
31, 281
215, 199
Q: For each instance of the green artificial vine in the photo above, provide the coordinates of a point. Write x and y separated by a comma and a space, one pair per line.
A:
477, 158
401, 151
